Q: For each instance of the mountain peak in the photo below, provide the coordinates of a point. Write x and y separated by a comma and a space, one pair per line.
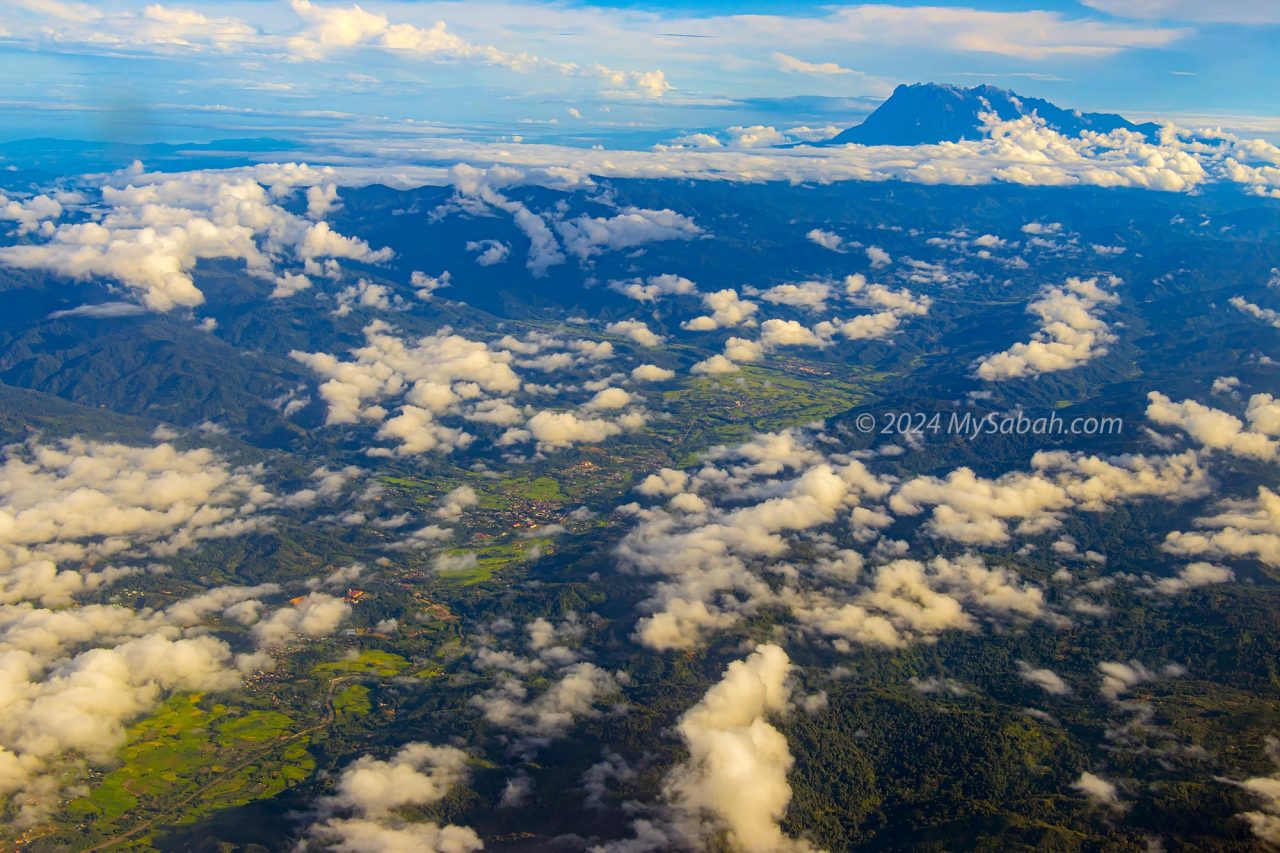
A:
928, 113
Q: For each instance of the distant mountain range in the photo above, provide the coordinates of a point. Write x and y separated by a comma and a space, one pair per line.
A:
926, 113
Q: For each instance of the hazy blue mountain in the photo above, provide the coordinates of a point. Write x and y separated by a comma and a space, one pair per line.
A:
925, 113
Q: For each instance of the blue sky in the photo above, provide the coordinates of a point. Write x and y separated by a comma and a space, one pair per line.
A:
619, 71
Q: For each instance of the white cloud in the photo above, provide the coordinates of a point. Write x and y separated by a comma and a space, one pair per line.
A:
83, 502
737, 519
755, 136
427, 285
314, 615
436, 376
1239, 12
75, 517
878, 257
1244, 529
799, 66
554, 430
482, 185
788, 333
829, 240
652, 373
1046, 679
30, 212
1097, 789
893, 306
361, 815
572, 696
585, 236
1218, 430
715, 365
456, 502
322, 199
158, 227
978, 511
655, 286
637, 331
1071, 333
1266, 315
365, 294
333, 28
727, 309
609, 398
1119, 678
1194, 575
805, 294
735, 778
1265, 821
103, 310
491, 252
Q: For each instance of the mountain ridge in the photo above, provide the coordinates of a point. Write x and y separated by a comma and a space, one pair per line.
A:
929, 113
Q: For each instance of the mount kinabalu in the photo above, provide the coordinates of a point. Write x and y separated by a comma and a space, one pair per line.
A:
926, 113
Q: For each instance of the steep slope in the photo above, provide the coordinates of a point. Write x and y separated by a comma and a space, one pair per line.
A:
927, 113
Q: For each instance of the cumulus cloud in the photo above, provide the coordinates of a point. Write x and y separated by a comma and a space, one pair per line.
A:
654, 287
714, 366
978, 511
425, 285
755, 136
585, 236
711, 555
573, 696
366, 294
74, 517
362, 813
490, 252
1119, 678
1265, 820
1097, 789
829, 240
483, 185
1242, 529
1046, 679
456, 502
158, 227
812, 295
1194, 575
878, 257
83, 502
1266, 315
890, 308
637, 331
436, 376
735, 779
788, 333
727, 309
652, 373
666, 481
1219, 430
313, 615
29, 212
64, 697
1023, 151
552, 430
1071, 333
609, 398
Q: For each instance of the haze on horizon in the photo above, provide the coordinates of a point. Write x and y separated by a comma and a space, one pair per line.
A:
610, 73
